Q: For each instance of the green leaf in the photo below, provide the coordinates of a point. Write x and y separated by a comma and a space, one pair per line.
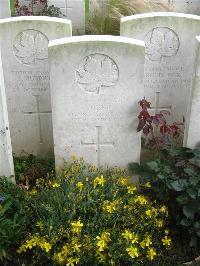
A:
153, 166
182, 199
189, 171
136, 168
199, 192
189, 211
185, 222
194, 180
193, 241
177, 185
192, 192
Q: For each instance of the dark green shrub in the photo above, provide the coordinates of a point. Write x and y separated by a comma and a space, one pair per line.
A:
175, 180
15, 218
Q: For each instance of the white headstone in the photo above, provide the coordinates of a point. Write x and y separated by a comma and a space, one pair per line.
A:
24, 42
6, 159
170, 55
5, 9
73, 10
96, 83
193, 136
185, 6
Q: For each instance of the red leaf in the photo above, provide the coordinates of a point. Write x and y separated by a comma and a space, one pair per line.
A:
144, 104
144, 115
141, 124
164, 129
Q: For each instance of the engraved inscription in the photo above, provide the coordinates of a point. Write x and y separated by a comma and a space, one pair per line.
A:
31, 47
97, 71
161, 42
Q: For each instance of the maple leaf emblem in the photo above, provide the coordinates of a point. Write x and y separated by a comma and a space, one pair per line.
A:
31, 47
161, 42
97, 71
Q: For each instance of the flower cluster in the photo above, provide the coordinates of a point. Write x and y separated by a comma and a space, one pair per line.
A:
92, 217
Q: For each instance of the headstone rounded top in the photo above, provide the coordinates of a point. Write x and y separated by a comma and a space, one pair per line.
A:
97, 38
36, 18
159, 14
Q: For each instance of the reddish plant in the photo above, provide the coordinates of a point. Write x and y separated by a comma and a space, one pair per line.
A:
29, 8
155, 127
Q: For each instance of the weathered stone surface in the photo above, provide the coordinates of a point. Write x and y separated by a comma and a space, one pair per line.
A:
185, 6
5, 9
6, 159
24, 43
96, 83
73, 10
170, 55
193, 136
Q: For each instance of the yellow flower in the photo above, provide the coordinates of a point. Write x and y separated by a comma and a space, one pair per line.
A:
34, 241
87, 178
40, 225
110, 207
71, 261
159, 223
80, 186
103, 241
146, 242
166, 241
99, 181
149, 213
123, 181
131, 189
130, 236
147, 185
74, 158
151, 253
77, 226
133, 252
32, 192
163, 209
141, 200
55, 185
46, 246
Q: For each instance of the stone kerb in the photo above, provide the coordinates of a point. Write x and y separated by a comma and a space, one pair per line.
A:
95, 91
6, 159
193, 134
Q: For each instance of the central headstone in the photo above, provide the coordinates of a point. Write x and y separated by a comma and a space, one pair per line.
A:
5, 9
6, 159
24, 44
96, 84
170, 40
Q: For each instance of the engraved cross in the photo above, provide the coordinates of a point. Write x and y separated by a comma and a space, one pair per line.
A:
98, 144
159, 108
188, 5
38, 113
67, 7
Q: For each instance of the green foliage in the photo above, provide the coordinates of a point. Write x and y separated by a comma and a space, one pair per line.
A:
30, 168
15, 217
175, 180
88, 216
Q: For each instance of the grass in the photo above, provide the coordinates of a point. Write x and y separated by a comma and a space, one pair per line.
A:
106, 20
12, 7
